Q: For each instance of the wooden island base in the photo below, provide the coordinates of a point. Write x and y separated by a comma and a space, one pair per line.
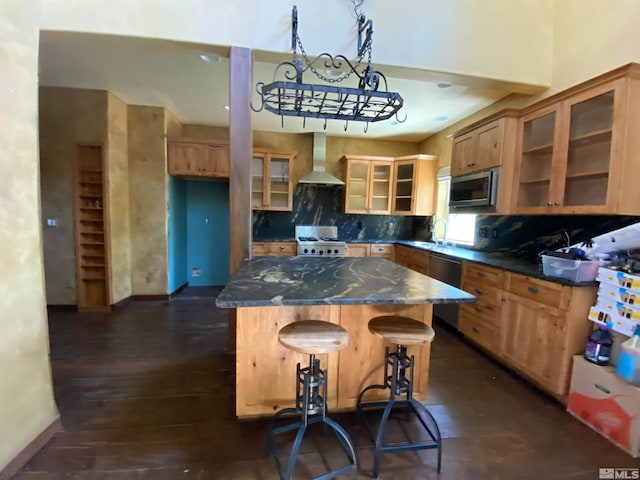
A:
265, 370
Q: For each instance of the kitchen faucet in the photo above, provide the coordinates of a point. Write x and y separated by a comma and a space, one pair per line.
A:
444, 231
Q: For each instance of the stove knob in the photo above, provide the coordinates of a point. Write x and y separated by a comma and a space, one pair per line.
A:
320, 252
336, 251
306, 250
313, 250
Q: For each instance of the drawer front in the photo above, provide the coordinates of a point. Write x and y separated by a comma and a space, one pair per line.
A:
382, 250
481, 332
485, 293
536, 290
483, 274
282, 248
487, 312
259, 249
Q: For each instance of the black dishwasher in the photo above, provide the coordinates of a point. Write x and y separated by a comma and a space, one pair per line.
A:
447, 270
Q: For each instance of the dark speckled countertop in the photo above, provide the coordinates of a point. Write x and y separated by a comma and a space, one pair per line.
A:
271, 281
493, 260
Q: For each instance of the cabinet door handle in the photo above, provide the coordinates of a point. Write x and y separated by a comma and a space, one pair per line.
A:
281, 248
479, 291
478, 308
549, 204
471, 164
532, 289
481, 274
475, 329
556, 203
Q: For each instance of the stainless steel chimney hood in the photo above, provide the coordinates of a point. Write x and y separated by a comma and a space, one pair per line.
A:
319, 175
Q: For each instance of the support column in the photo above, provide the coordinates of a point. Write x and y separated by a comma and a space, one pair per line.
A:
241, 148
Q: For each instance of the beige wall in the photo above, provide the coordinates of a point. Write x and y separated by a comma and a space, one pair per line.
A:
68, 117
118, 199
26, 403
148, 200
468, 38
590, 38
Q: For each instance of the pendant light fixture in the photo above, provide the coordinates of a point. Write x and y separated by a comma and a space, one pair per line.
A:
289, 95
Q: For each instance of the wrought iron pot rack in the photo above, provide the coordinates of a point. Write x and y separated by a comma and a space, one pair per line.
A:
289, 96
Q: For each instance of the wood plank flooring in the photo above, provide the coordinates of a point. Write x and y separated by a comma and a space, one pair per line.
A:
147, 392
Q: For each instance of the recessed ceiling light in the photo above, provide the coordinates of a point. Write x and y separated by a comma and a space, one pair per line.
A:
226, 107
443, 85
210, 58
441, 118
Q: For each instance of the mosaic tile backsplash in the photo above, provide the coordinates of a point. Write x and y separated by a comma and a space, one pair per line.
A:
518, 236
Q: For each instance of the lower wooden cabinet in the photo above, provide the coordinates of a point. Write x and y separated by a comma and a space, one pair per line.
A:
383, 250
412, 258
531, 340
532, 325
357, 250
274, 249
265, 370
480, 321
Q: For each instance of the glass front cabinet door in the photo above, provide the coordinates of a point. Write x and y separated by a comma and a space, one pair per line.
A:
571, 154
271, 182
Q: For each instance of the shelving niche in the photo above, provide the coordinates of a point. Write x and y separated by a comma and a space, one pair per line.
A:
92, 266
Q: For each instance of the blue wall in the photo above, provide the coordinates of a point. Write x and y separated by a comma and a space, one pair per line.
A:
207, 212
177, 233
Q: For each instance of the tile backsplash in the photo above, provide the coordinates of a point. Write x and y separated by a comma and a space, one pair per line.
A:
319, 205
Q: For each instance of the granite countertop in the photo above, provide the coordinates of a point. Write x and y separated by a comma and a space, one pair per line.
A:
496, 260
272, 281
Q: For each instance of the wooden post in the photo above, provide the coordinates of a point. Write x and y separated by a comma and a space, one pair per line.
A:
240, 152
240, 148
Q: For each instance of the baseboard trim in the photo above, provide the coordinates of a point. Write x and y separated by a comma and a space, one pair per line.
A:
30, 450
62, 308
179, 289
149, 298
121, 303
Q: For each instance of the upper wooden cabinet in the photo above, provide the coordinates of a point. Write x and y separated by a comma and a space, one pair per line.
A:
197, 157
484, 144
414, 185
368, 184
488, 143
578, 149
271, 183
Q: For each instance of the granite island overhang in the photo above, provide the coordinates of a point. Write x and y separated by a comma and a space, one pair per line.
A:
267, 293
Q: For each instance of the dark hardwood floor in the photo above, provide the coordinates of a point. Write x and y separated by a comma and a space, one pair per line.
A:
147, 392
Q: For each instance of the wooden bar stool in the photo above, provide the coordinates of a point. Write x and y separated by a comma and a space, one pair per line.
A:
312, 337
398, 378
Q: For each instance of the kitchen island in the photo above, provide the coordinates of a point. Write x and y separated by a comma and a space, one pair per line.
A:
268, 293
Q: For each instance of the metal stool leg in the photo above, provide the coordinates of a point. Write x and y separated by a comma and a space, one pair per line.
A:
311, 405
399, 385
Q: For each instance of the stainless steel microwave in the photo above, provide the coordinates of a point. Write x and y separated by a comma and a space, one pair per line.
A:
478, 189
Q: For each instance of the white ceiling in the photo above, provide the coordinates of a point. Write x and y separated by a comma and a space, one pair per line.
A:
172, 75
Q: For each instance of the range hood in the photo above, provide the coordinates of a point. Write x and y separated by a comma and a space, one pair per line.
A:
319, 175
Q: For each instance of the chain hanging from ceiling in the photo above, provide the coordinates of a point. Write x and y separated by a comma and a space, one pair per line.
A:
288, 95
